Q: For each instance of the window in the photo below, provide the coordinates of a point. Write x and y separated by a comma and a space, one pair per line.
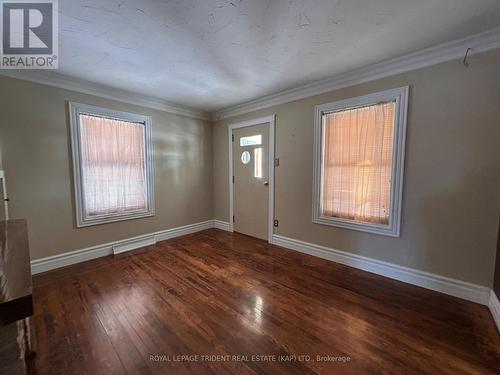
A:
245, 157
359, 152
257, 169
252, 140
112, 161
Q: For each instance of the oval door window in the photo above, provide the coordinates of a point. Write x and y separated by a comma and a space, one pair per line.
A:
245, 157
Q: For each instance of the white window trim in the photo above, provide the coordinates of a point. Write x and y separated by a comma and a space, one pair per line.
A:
82, 220
400, 95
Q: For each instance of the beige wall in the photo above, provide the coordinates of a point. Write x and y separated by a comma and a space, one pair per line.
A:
451, 185
452, 171
35, 147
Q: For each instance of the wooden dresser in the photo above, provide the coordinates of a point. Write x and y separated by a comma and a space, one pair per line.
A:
16, 306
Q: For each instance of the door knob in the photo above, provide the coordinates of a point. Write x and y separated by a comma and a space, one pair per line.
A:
266, 183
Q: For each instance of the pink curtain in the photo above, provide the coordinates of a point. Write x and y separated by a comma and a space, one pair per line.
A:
113, 175
357, 163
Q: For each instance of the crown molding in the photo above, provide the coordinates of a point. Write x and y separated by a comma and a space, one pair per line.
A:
52, 78
481, 42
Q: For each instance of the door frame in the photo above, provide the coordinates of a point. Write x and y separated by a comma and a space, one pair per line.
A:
270, 120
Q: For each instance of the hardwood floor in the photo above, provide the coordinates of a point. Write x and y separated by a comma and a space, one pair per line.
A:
217, 293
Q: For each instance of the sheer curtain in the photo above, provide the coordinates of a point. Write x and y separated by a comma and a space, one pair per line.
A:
113, 173
357, 163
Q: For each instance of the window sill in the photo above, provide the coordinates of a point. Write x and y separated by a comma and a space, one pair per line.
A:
385, 230
87, 222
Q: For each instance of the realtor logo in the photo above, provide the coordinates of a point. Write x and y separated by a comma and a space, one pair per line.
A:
28, 34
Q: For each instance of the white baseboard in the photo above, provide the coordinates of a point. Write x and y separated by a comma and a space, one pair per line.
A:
182, 231
223, 225
133, 243
70, 257
454, 287
116, 247
494, 306
461, 289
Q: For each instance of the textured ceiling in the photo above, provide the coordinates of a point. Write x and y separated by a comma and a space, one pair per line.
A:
212, 54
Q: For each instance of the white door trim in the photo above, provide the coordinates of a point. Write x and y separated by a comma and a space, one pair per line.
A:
5, 198
258, 121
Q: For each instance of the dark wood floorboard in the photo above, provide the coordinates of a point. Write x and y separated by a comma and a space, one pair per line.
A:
217, 293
